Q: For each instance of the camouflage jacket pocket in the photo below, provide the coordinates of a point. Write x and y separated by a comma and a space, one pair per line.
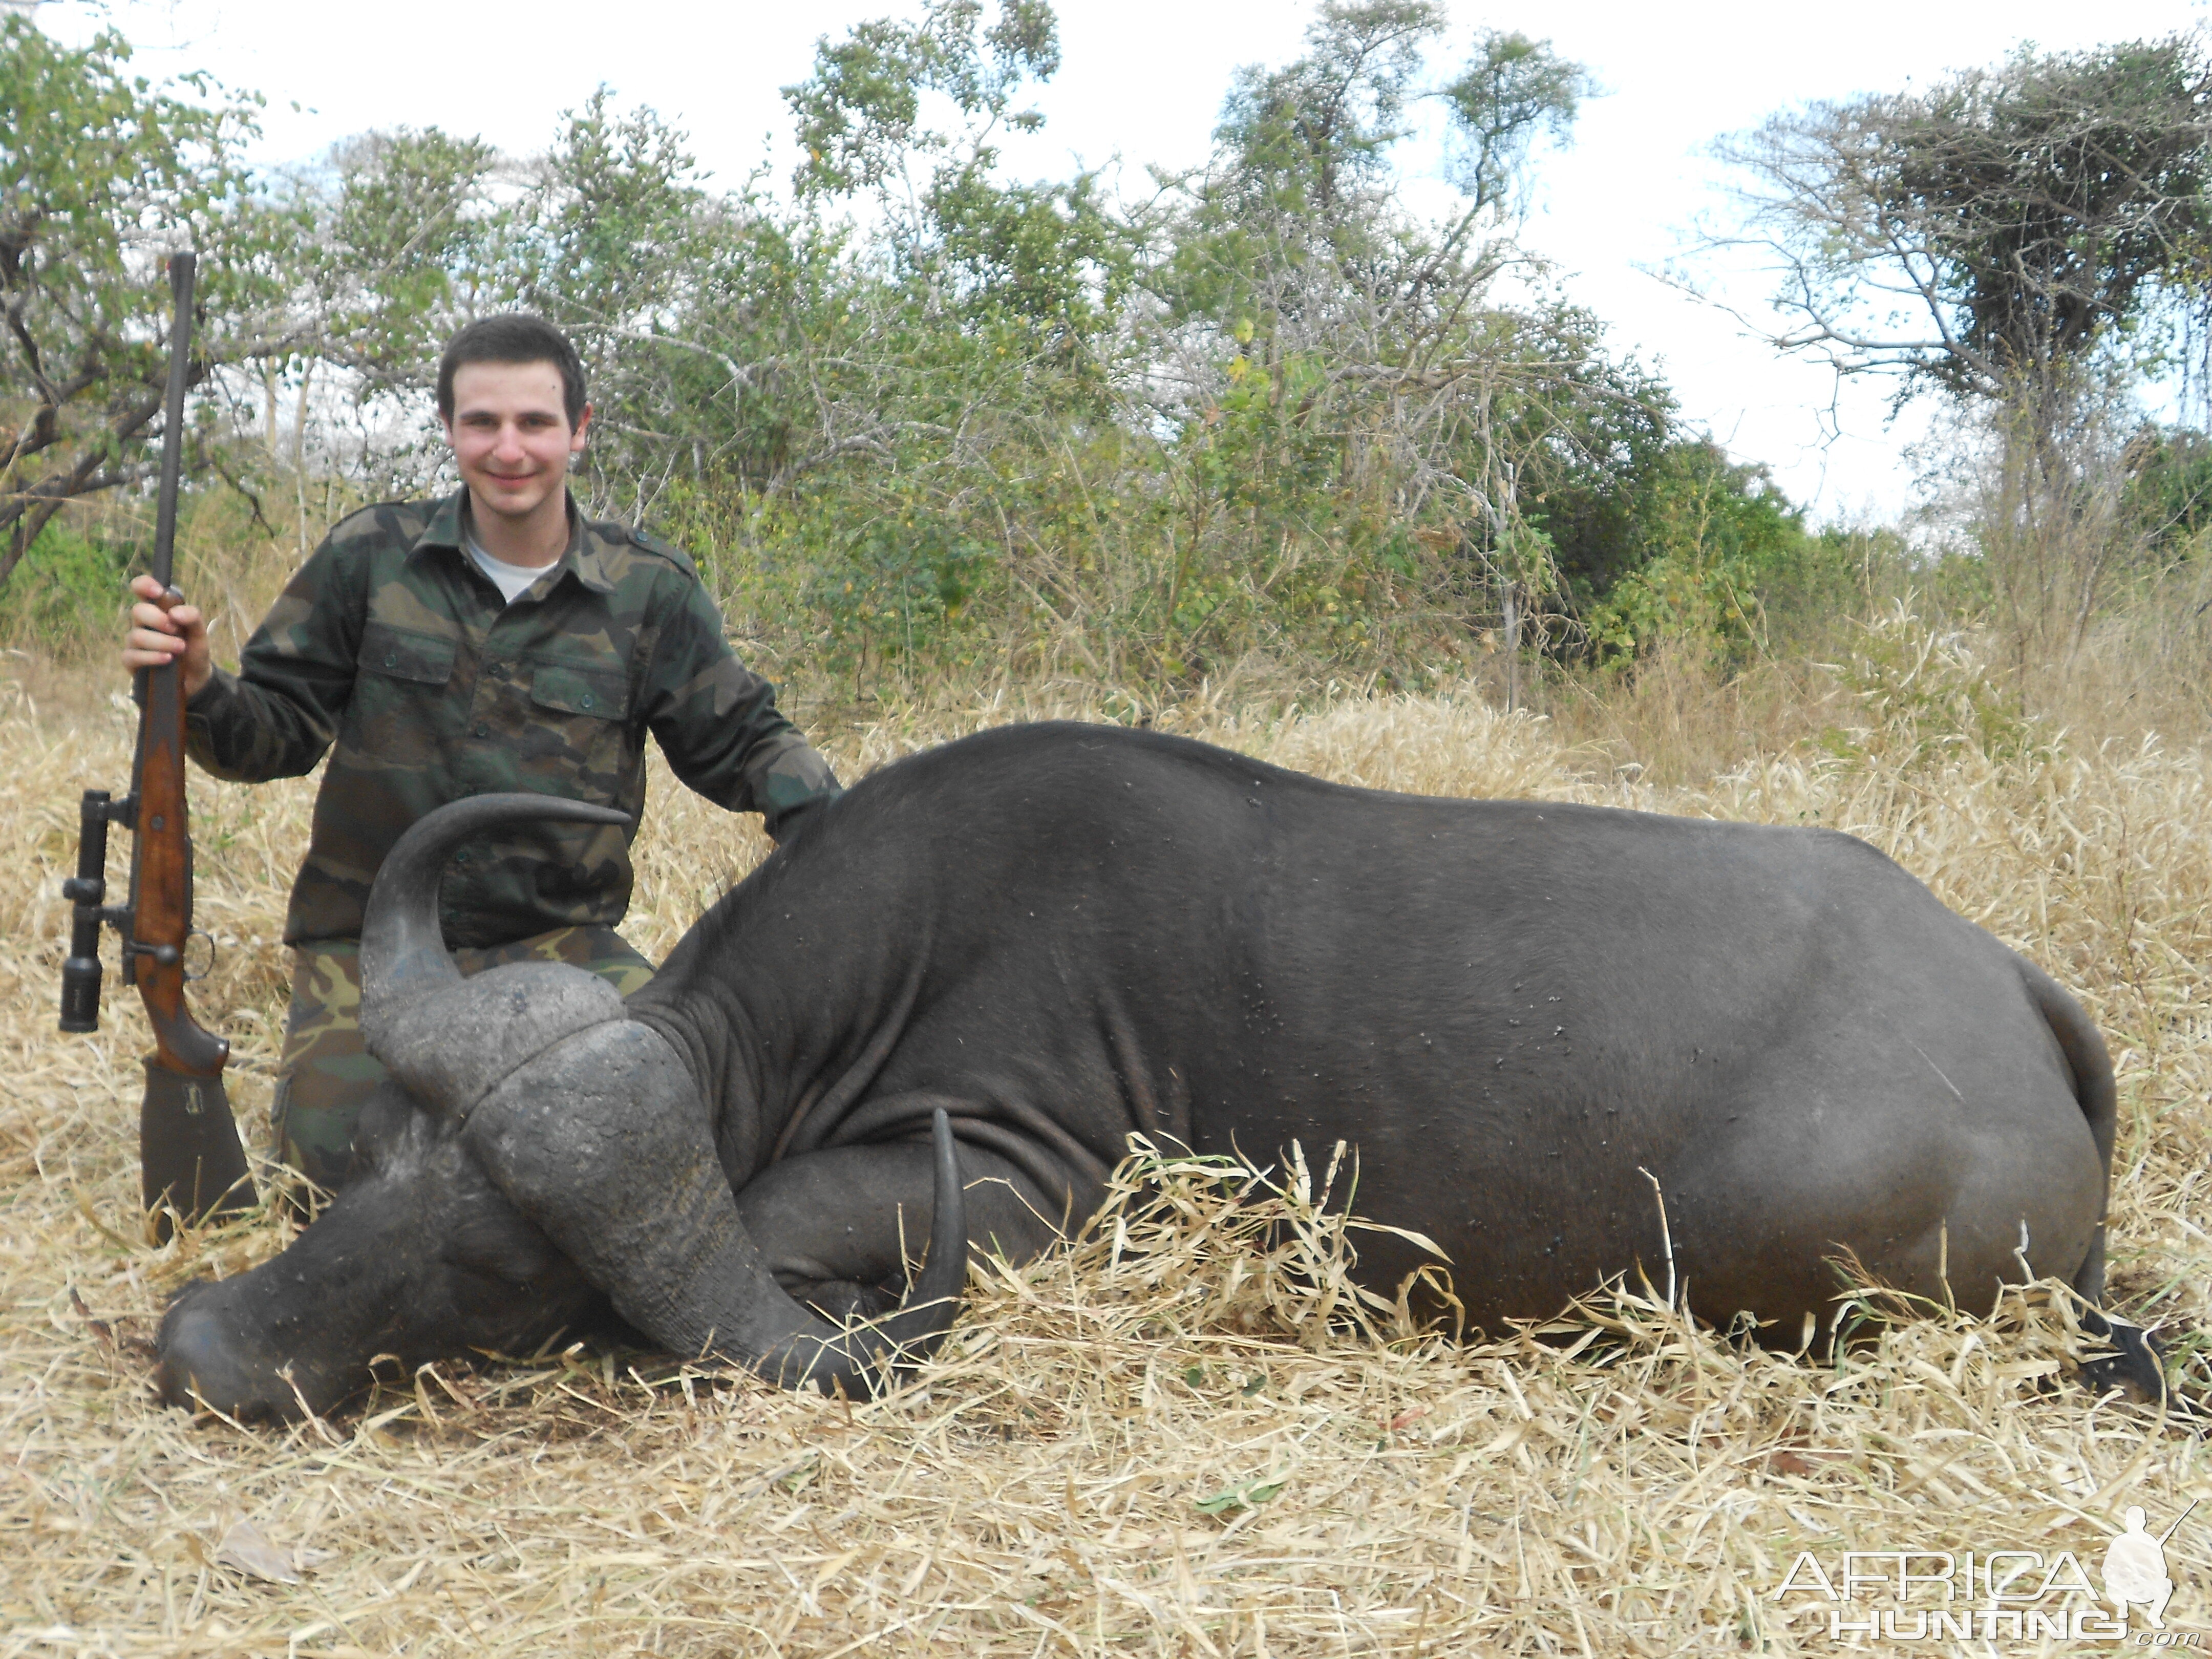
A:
400, 711
578, 740
572, 688
401, 653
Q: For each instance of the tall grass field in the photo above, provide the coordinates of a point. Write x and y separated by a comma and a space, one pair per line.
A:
1187, 1436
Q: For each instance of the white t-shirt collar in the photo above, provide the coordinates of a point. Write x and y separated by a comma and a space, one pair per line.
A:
510, 578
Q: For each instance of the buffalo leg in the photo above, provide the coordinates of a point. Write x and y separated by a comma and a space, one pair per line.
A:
829, 1223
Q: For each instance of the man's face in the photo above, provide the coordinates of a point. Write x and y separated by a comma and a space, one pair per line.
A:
511, 437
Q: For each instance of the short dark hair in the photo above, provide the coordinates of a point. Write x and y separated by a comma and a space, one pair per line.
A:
514, 337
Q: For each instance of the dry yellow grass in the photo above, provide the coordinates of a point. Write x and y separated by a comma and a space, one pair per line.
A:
1184, 1438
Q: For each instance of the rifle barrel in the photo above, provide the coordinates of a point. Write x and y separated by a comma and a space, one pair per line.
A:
183, 267
2177, 1520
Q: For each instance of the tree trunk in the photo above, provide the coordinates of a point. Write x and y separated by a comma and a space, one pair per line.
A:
1512, 647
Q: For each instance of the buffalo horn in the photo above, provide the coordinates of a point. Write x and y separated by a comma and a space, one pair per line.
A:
870, 1356
448, 1040
403, 946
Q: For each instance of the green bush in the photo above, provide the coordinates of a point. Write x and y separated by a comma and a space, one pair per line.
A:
1713, 539
68, 592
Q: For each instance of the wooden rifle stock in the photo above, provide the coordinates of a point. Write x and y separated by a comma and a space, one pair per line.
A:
188, 1147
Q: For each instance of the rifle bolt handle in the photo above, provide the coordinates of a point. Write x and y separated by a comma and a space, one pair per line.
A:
168, 955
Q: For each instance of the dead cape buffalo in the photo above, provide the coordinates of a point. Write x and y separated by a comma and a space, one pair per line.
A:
1047, 937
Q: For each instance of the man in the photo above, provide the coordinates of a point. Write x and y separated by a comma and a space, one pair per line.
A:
495, 640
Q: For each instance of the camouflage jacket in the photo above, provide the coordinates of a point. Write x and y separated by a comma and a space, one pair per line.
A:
391, 644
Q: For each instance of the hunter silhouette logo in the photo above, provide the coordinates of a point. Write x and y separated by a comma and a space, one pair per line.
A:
1908, 1595
2135, 1569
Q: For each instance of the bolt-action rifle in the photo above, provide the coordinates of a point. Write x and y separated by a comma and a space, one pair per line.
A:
188, 1147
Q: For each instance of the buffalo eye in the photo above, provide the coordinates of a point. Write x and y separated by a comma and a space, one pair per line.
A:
504, 1246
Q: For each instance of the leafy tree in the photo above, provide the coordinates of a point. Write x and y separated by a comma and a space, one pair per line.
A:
969, 332
1591, 434
78, 575
2169, 489
612, 226
98, 172
1310, 141
411, 246
2024, 239
2001, 229
1303, 162
1512, 92
1337, 358
859, 113
1047, 255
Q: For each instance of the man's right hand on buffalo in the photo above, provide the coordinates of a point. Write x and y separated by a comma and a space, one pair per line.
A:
164, 629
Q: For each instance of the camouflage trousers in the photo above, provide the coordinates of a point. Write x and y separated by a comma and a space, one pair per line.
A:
326, 1073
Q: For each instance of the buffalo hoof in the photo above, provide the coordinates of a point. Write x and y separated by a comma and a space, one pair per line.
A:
2133, 1367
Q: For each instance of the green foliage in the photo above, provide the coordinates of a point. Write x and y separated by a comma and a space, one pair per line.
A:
926, 418
1309, 141
1842, 573
1593, 436
1301, 175
613, 230
1357, 434
1714, 535
1232, 1500
859, 114
1512, 92
1997, 232
982, 248
79, 586
2075, 190
409, 246
895, 581
2169, 489
2029, 238
97, 171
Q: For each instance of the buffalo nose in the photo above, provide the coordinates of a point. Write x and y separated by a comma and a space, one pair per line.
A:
198, 1358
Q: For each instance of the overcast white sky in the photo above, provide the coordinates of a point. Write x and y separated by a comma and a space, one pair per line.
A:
1143, 80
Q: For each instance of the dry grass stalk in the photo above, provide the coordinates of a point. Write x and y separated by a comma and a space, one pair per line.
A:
1185, 1436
